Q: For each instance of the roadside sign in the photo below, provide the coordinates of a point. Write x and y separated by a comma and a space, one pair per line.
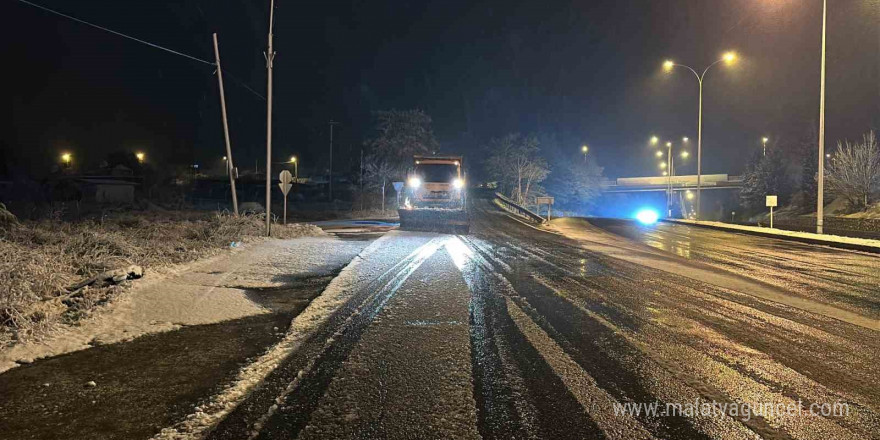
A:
285, 177
285, 185
545, 201
397, 186
771, 202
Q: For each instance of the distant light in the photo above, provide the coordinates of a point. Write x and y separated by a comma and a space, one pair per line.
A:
66, 157
684, 139
662, 164
665, 173
456, 163
730, 57
458, 183
828, 155
414, 182
764, 140
584, 149
647, 216
140, 156
292, 159
668, 64
654, 140
685, 154
659, 154
224, 157
689, 195
668, 144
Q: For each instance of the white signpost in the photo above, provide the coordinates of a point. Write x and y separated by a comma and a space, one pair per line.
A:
771, 202
545, 200
285, 185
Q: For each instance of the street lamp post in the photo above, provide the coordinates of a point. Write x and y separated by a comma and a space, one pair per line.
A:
764, 144
295, 172
820, 195
585, 149
728, 57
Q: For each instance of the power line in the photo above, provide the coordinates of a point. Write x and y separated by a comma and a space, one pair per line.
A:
211, 63
115, 32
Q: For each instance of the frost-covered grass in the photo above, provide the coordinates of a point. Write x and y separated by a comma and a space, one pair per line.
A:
40, 260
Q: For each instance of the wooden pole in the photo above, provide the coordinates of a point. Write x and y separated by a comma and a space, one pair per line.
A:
270, 58
229, 168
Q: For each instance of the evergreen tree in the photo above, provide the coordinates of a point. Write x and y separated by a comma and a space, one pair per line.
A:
765, 175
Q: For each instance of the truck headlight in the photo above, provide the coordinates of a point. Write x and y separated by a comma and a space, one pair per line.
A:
414, 182
458, 183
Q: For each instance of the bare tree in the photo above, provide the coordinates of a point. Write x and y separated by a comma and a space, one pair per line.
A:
514, 161
378, 171
854, 171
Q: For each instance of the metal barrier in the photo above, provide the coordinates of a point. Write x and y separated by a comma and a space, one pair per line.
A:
516, 209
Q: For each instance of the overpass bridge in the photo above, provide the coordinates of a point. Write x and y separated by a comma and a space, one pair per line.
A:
720, 193
673, 183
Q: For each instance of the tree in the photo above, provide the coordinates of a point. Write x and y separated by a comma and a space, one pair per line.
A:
378, 171
515, 163
574, 183
765, 175
854, 171
401, 134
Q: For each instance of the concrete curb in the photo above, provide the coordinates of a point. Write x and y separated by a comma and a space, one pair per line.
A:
768, 234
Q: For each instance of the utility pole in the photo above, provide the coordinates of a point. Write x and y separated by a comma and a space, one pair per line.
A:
230, 171
820, 196
330, 171
270, 58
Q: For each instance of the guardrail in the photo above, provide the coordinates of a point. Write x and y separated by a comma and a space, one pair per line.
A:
516, 209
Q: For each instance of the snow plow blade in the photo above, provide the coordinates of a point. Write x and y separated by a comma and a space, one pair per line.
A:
434, 219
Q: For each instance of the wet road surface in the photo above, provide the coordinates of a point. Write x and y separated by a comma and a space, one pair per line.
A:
515, 332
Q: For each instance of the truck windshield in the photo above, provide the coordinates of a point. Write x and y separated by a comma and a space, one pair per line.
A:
437, 172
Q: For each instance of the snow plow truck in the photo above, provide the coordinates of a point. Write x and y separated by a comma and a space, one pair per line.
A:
435, 195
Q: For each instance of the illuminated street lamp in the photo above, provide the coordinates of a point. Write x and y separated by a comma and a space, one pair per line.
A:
659, 153
295, 168
668, 65
66, 158
764, 144
140, 157
585, 149
654, 140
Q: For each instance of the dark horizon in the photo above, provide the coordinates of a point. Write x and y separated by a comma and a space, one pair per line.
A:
585, 73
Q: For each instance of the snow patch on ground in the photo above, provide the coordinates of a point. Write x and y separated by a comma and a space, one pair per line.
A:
203, 292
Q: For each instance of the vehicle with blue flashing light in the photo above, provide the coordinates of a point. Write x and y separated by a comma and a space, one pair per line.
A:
435, 195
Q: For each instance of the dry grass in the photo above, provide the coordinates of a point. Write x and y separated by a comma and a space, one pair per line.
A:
40, 259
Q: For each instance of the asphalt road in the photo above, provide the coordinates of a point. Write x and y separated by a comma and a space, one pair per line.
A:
515, 332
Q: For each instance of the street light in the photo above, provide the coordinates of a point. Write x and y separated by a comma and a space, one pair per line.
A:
295, 169
66, 158
140, 157
684, 139
820, 193
659, 153
685, 154
654, 140
764, 143
668, 65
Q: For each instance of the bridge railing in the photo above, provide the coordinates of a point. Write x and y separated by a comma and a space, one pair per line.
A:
517, 209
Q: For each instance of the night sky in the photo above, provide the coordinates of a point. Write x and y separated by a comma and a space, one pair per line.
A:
585, 71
